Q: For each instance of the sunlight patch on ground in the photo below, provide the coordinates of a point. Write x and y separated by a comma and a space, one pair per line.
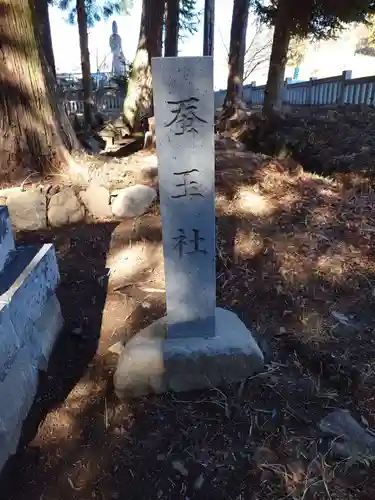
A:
340, 262
129, 264
248, 201
329, 193
222, 204
247, 245
58, 425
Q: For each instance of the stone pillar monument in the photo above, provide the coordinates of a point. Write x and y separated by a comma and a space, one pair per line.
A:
197, 345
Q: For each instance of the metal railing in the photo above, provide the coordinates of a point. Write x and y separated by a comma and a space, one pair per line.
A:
332, 91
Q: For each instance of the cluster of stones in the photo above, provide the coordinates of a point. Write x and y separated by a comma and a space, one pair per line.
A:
39, 208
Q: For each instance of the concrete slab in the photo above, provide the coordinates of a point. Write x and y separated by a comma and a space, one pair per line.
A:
21, 377
150, 362
26, 284
9, 344
6, 237
46, 330
17, 392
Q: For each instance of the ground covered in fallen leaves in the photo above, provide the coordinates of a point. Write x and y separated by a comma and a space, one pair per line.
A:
339, 142
295, 260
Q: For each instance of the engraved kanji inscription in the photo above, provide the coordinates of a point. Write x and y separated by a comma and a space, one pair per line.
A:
187, 246
187, 187
185, 116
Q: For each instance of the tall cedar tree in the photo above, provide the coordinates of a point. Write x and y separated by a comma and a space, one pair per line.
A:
35, 133
138, 101
44, 28
237, 54
172, 14
321, 19
183, 15
209, 27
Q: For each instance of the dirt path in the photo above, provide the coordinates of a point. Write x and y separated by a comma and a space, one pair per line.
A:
296, 262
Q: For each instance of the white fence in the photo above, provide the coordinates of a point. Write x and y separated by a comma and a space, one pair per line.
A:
332, 91
106, 104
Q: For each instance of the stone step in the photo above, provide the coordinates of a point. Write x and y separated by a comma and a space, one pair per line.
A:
17, 392
6, 237
22, 376
26, 284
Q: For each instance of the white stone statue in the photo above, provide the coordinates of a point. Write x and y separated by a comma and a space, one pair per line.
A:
118, 59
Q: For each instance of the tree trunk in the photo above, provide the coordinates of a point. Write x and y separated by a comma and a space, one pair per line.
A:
279, 52
44, 28
171, 28
209, 27
237, 53
138, 99
85, 62
35, 133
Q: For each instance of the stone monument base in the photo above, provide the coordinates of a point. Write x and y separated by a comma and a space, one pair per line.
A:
150, 362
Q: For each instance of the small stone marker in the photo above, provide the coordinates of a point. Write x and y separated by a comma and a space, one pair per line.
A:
184, 115
196, 345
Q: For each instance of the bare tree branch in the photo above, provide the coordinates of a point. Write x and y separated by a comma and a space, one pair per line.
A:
258, 51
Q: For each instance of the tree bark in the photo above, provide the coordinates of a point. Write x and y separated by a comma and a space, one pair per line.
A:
35, 133
237, 53
171, 28
138, 99
44, 28
209, 27
85, 62
279, 52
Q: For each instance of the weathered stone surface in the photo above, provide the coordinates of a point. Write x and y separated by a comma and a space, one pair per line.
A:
46, 330
27, 210
151, 363
65, 208
6, 237
17, 392
184, 112
96, 200
28, 342
133, 201
26, 285
351, 440
9, 343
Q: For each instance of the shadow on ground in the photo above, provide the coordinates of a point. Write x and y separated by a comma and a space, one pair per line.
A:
295, 260
82, 253
125, 148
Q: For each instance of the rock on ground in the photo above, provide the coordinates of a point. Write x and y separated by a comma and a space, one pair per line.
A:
96, 200
65, 208
133, 201
351, 440
27, 210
